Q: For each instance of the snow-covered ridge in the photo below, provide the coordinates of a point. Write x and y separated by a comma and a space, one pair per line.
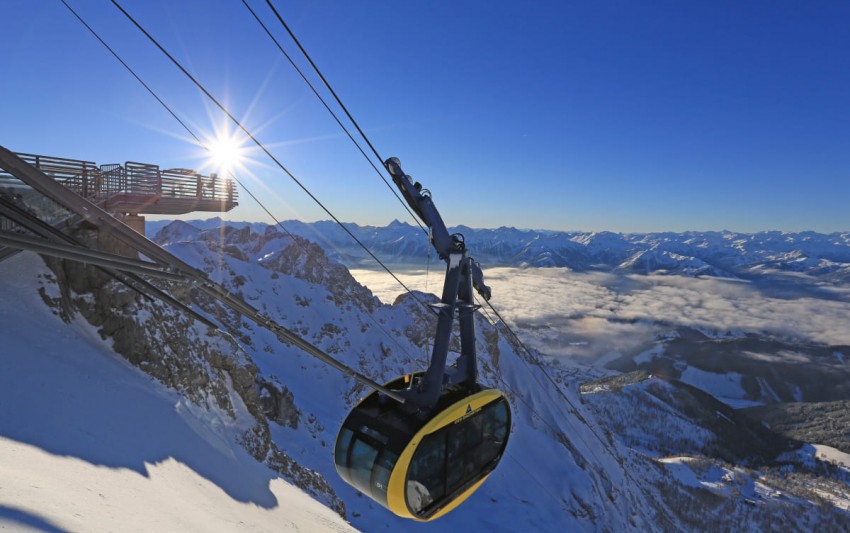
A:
90, 443
711, 253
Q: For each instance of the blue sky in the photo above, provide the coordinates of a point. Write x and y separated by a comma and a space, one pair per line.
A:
624, 116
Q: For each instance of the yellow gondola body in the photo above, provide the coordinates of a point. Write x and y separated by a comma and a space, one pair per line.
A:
422, 469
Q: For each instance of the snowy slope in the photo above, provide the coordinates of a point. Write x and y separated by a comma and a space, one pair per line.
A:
89, 443
716, 468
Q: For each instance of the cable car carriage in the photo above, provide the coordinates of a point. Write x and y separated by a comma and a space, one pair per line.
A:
426, 448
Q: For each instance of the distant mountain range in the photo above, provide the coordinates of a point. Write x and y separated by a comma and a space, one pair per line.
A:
709, 253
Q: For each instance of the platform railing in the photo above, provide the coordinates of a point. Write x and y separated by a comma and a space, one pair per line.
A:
142, 179
75, 174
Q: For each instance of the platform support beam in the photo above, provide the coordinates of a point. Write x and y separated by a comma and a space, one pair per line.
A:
137, 222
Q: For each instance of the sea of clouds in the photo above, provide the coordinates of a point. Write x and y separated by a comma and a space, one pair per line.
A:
565, 313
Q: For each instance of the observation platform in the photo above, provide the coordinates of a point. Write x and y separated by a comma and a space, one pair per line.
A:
136, 188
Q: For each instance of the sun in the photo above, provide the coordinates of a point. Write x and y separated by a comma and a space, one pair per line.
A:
226, 153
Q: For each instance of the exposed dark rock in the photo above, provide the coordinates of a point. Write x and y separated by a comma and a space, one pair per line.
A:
201, 363
278, 403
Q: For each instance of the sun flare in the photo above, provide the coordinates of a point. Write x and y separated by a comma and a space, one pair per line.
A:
226, 153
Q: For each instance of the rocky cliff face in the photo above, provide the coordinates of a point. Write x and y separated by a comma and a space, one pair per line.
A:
204, 364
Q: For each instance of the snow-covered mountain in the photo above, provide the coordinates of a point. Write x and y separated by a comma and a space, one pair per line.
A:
693, 253
574, 460
90, 443
720, 470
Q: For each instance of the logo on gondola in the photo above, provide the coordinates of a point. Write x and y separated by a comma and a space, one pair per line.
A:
470, 412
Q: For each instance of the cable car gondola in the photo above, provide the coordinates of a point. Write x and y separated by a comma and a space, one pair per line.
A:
423, 457
423, 468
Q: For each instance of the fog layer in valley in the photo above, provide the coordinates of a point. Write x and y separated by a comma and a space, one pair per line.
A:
565, 313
